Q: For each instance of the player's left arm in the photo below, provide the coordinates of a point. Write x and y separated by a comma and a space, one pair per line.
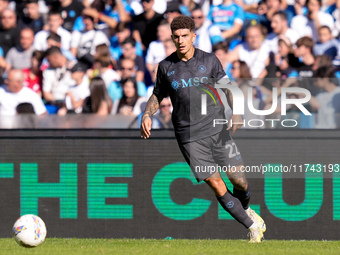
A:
236, 121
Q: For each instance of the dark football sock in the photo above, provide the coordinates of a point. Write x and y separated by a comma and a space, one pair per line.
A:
233, 206
243, 196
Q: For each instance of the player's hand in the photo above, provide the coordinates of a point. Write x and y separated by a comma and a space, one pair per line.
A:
235, 123
145, 127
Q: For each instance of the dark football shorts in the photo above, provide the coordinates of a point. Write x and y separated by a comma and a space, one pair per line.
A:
211, 154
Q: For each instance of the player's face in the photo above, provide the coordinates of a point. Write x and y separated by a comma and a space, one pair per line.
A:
183, 40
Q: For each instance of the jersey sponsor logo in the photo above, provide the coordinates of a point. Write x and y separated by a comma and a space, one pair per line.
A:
185, 83
221, 13
202, 69
170, 73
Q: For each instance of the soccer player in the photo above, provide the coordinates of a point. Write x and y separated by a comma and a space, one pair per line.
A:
202, 144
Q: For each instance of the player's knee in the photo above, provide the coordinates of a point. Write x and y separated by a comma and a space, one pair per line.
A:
216, 184
240, 183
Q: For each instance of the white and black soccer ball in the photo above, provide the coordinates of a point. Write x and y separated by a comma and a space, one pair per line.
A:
29, 230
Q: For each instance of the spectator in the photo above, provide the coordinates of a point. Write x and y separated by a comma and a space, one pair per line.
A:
103, 64
309, 24
128, 69
122, 32
156, 50
163, 118
240, 70
55, 22
56, 78
99, 101
327, 102
304, 51
207, 34
75, 96
130, 103
221, 52
84, 43
3, 5
14, 93
273, 6
70, 10
285, 59
55, 40
32, 17
169, 47
326, 44
33, 75
299, 8
280, 27
9, 32
145, 24
129, 51
172, 11
254, 52
108, 13
229, 17
19, 57
187, 6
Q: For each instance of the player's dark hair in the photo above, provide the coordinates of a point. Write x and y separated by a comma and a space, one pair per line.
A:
281, 14
53, 50
124, 100
182, 22
54, 36
305, 41
130, 40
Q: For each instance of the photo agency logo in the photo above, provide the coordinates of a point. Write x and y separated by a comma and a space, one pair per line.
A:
240, 102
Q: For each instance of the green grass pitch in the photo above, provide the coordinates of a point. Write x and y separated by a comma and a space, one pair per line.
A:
162, 247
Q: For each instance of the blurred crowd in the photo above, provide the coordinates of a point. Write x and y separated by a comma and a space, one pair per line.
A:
101, 56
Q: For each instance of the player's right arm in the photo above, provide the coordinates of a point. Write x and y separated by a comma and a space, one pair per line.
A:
151, 107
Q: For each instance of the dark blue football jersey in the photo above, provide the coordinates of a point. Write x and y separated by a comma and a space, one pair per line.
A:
185, 82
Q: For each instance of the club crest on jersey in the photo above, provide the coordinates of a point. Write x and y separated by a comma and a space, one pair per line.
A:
175, 84
202, 69
170, 73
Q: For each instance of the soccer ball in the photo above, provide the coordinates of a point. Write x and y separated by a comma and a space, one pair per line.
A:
29, 230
